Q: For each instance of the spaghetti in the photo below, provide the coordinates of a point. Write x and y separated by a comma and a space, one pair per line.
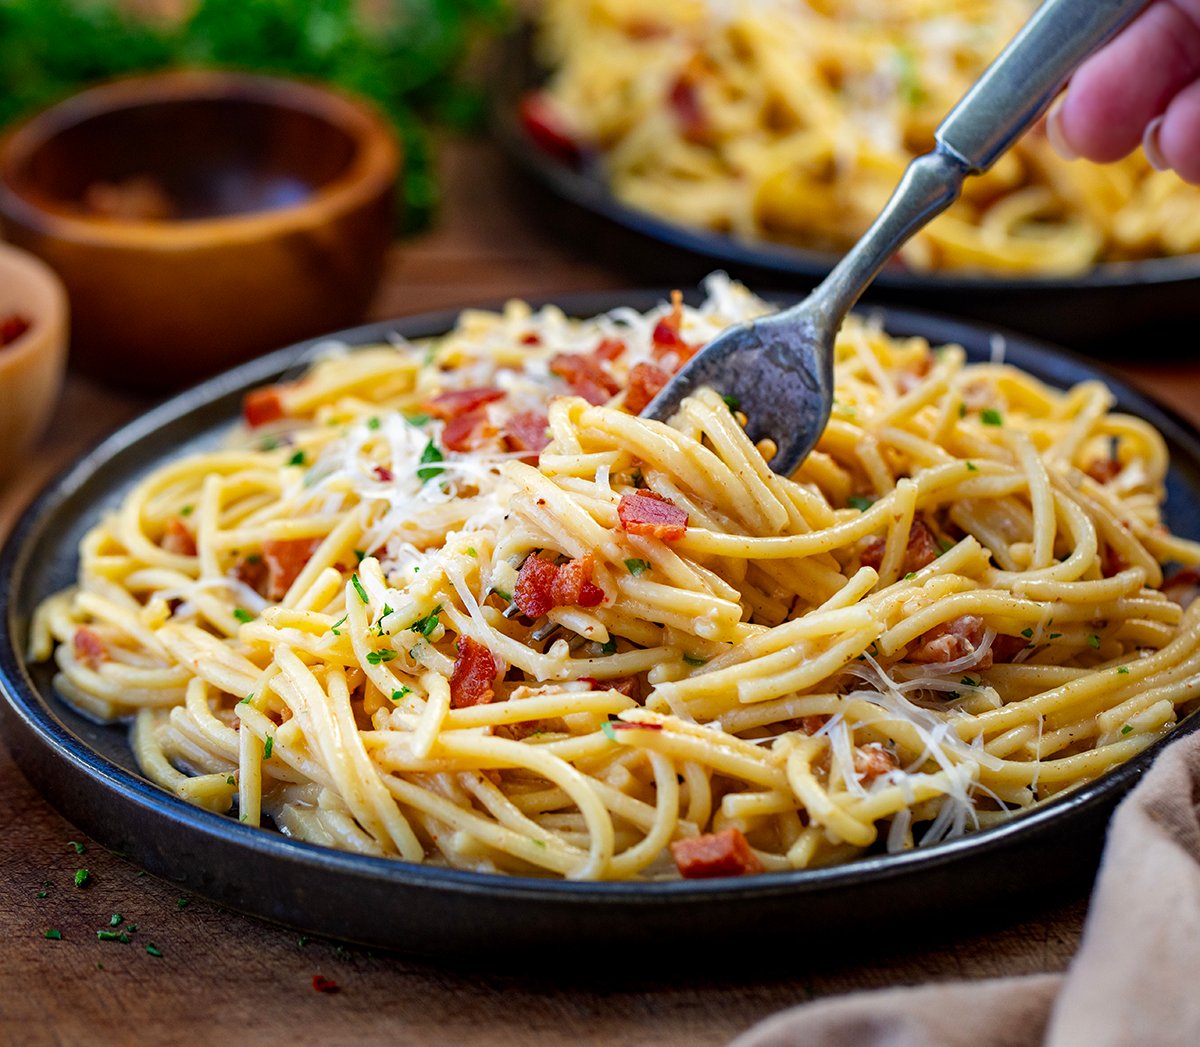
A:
793, 120
452, 602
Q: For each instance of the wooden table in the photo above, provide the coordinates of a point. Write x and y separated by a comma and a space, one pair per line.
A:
223, 978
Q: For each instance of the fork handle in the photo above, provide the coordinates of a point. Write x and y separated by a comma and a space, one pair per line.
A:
1010, 95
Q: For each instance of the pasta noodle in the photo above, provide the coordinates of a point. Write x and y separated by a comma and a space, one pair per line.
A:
429, 604
793, 120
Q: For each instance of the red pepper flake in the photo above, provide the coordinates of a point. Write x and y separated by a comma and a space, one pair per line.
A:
474, 676
460, 401
11, 328
649, 514
646, 381
261, 406
322, 984
383, 474
89, 648
531, 338
715, 854
586, 377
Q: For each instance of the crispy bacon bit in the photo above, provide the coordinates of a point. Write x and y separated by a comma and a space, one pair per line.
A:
527, 431
542, 586
252, 571
667, 338
715, 854
872, 760
650, 514
531, 338
322, 984
1102, 470
1005, 648
467, 432
951, 640
573, 586
89, 648
383, 474
460, 401
474, 675
1183, 586
921, 550
631, 687
178, 539
285, 559
534, 592
11, 328
645, 383
583, 373
811, 724
609, 349
261, 406
684, 99
547, 127
1112, 562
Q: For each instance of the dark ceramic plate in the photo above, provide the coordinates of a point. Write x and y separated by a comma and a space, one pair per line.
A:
1103, 310
87, 771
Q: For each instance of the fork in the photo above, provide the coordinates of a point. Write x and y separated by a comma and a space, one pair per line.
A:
779, 368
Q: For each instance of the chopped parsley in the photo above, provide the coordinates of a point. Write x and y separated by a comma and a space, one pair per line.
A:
230, 780
471, 551
153, 949
398, 695
114, 936
990, 416
182, 903
360, 555
860, 502
1027, 633
79, 848
430, 454
962, 410
268, 444
691, 659
43, 894
966, 681
608, 730
297, 459
187, 510
637, 567
358, 588
911, 575
610, 647
538, 843
378, 657
268, 745
1127, 729
1124, 670
1055, 636
733, 403
335, 627
242, 615
116, 920
417, 419
248, 699
382, 615
373, 423
426, 625
501, 593
54, 934
972, 468
944, 545
1094, 642
81, 877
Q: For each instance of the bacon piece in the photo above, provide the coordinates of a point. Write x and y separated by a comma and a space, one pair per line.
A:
542, 586
645, 383
1102, 470
1183, 586
715, 854
921, 550
547, 128
322, 984
531, 338
260, 406
951, 640
285, 559
89, 648
534, 592
650, 514
1112, 562
872, 761
573, 586
1005, 648
583, 373
383, 474
811, 724
667, 339
472, 681
609, 349
11, 328
467, 432
460, 401
252, 571
527, 431
178, 539
631, 687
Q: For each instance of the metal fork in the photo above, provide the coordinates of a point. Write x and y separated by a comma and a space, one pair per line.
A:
780, 368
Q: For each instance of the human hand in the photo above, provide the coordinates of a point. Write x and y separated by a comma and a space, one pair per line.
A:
1143, 86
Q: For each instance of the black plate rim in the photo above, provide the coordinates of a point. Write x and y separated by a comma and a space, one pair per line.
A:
35, 717
584, 189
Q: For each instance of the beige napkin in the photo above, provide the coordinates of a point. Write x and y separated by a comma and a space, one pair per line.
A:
1135, 980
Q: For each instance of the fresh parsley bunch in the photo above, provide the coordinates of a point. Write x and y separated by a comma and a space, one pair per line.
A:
406, 55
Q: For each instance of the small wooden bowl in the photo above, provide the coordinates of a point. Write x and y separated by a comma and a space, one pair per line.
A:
32, 364
200, 218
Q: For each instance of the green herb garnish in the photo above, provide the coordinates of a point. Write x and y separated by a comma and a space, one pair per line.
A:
335, 627
248, 699
81, 877
268, 745
187, 510
114, 936
78, 847
373, 423
990, 416
242, 615
153, 949
378, 657
608, 730
691, 659
426, 625
966, 681
910, 576
971, 468
54, 934
1027, 633
398, 695
860, 502
610, 647
358, 588
360, 555
1123, 670
116, 920
430, 454
297, 459
733, 403
637, 567
1094, 642
418, 420
1126, 729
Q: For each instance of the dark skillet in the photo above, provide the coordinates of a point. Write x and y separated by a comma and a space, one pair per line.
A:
1148, 306
87, 771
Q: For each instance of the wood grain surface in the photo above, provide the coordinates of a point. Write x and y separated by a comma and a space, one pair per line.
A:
223, 978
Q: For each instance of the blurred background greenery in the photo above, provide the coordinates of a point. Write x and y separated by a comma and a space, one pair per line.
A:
410, 57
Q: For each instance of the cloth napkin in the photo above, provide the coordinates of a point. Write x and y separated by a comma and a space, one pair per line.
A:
1136, 977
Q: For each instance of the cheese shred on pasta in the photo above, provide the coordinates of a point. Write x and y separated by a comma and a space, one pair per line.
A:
954, 609
793, 120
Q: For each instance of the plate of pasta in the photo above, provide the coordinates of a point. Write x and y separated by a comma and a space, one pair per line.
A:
766, 137
419, 636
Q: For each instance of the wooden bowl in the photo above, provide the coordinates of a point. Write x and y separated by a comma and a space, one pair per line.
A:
32, 363
200, 218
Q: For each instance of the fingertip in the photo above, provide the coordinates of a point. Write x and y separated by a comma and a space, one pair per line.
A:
1177, 140
1055, 134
